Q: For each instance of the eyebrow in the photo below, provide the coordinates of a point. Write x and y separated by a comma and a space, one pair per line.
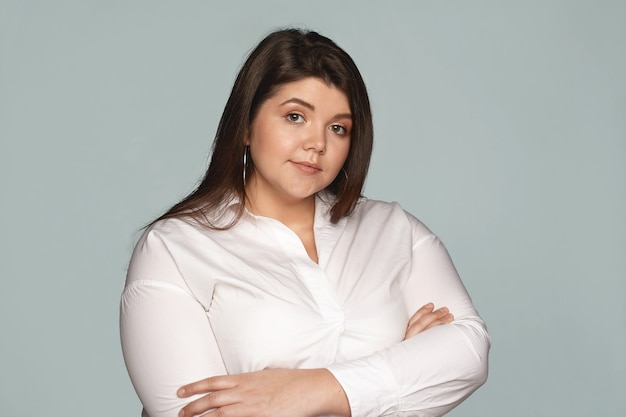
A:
308, 105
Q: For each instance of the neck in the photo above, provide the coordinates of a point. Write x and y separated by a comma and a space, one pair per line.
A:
298, 214
293, 213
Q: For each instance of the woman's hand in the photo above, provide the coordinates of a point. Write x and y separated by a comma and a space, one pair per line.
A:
427, 317
271, 392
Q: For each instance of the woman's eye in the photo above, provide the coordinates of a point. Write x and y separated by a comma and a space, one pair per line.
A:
295, 118
338, 129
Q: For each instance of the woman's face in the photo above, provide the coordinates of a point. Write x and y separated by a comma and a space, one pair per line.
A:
299, 140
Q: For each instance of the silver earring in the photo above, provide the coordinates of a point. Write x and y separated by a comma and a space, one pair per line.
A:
345, 173
245, 163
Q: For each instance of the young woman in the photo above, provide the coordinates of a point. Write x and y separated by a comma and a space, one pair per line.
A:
275, 289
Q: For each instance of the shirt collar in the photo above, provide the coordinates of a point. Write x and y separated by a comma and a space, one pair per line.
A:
323, 204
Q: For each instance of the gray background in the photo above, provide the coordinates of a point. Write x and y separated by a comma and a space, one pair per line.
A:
500, 124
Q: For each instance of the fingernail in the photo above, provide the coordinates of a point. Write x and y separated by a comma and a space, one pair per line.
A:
182, 413
180, 392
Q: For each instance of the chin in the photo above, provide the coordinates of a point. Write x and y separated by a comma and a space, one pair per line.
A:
303, 194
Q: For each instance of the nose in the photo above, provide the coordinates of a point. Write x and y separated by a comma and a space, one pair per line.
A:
316, 139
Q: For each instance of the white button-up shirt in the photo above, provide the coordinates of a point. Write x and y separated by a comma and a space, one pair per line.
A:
201, 302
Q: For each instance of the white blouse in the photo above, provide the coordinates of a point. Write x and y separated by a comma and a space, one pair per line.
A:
200, 302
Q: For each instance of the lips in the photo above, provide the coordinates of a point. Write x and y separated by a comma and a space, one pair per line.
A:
307, 167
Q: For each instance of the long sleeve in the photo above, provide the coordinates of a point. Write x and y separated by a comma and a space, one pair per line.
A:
432, 372
166, 337
200, 303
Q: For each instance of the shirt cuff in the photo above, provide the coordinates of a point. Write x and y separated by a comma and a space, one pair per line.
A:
371, 389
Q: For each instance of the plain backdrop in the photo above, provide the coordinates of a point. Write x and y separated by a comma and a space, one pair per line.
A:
500, 124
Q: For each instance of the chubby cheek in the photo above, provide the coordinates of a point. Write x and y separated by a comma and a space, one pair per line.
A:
340, 154
264, 153
274, 140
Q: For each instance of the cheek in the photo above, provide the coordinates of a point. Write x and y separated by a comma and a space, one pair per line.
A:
272, 137
262, 144
270, 149
342, 153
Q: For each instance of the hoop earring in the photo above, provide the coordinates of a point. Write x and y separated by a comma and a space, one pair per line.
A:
345, 173
245, 164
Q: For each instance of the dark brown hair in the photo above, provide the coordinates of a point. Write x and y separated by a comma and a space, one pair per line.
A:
282, 57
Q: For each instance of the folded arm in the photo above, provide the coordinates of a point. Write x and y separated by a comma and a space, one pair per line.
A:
433, 371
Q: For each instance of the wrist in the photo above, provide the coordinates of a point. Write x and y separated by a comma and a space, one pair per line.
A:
326, 395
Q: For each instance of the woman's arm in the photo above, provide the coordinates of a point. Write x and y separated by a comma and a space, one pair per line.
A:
270, 392
287, 392
427, 374
166, 337
433, 371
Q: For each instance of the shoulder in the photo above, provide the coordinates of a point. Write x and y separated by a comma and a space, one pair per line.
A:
161, 247
367, 206
169, 232
391, 214
381, 211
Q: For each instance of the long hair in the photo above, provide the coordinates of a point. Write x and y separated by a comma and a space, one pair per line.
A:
283, 56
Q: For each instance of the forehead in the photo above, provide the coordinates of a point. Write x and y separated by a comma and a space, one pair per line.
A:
312, 90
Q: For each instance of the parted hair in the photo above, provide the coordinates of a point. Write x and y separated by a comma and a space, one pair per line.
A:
283, 56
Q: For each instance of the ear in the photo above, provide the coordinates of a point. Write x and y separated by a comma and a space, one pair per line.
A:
246, 138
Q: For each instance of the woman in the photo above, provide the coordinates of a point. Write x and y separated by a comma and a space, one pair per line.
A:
279, 289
